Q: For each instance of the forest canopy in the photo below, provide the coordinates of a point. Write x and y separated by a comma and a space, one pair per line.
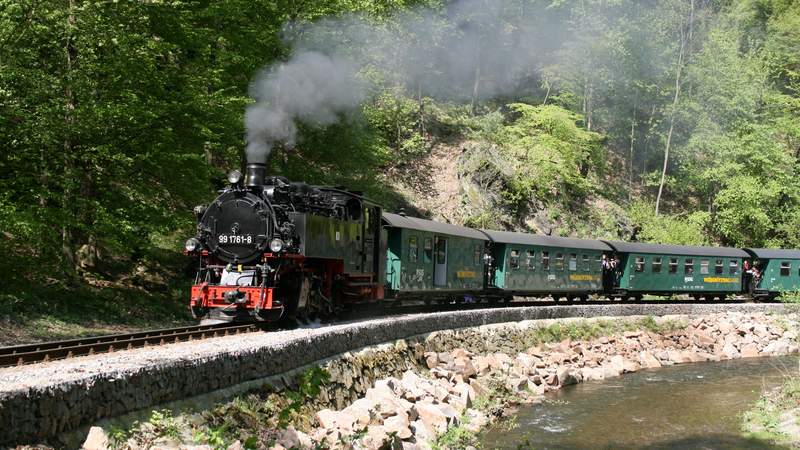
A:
674, 121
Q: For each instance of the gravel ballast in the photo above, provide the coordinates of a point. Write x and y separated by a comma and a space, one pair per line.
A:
47, 399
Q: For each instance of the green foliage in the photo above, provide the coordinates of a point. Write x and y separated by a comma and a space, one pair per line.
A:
553, 154
667, 229
766, 419
455, 438
309, 385
790, 296
164, 424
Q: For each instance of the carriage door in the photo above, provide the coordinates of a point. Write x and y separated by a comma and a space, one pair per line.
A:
440, 262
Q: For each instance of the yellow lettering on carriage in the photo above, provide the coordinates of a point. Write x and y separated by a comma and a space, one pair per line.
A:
466, 274
720, 280
584, 277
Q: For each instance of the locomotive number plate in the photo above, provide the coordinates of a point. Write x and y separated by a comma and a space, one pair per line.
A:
235, 239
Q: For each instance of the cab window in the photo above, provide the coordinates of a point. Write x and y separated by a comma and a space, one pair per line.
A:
413, 255
639, 264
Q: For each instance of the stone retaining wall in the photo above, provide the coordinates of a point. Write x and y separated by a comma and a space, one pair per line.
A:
34, 411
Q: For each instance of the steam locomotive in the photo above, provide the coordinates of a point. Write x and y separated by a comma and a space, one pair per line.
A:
267, 249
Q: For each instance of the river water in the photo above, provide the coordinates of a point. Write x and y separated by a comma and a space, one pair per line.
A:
695, 406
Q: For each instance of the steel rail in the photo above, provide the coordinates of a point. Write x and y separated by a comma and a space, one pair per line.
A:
48, 351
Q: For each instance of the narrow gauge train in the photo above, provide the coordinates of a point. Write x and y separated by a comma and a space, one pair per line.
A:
267, 248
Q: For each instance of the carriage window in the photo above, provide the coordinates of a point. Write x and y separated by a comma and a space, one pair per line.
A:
656, 264
786, 268
514, 260
573, 261
427, 254
688, 266
733, 267
673, 265
545, 260
585, 259
476, 259
559, 261
530, 262
704, 266
639, 264
718, 267
441, 251
413, 255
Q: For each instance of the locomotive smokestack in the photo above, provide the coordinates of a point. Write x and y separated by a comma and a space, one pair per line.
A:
254, 174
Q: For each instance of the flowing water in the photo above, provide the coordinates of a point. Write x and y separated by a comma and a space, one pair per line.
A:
687, 406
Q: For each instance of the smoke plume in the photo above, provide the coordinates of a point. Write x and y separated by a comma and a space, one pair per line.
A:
467, 49
311, 87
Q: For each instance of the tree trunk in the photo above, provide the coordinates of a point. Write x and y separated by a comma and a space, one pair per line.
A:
476, 85
475, 88
67, 231
546, 95
671, 119
647, 142
421, 110
588, 90
633, 140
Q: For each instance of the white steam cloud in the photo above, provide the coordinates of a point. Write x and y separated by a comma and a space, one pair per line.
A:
311, 87
467, 49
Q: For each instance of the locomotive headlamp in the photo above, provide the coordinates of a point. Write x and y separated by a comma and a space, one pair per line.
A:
234, 176
192, 244
275, 245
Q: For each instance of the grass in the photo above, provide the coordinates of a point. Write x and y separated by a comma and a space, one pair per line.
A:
42, 313
587, 330
456, 438
775, 417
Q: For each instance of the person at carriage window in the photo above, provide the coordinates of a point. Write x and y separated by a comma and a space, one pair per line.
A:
756, 270
616, 264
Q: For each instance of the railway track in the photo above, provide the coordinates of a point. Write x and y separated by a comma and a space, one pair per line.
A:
48, 351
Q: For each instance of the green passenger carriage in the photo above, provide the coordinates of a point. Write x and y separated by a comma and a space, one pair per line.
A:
440, 260
529, 264
676, 269
780, 271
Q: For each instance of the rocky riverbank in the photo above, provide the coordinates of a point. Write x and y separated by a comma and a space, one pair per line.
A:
439, 390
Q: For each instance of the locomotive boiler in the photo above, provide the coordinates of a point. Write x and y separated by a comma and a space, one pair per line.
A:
268, 249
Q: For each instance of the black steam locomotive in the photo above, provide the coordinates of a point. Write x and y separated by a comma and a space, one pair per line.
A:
268, 248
